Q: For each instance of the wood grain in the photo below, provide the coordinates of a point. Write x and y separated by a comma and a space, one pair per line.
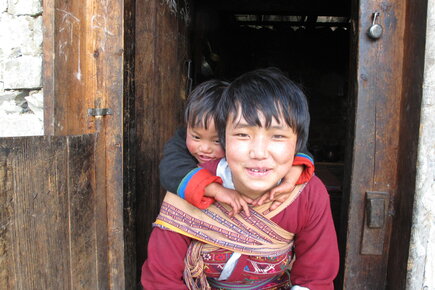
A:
161, 52
48, 226
377, 88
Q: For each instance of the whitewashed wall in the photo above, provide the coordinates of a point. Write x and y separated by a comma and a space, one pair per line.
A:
21, 97
421, 263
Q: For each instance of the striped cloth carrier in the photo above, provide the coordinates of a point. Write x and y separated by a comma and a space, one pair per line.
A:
213, 229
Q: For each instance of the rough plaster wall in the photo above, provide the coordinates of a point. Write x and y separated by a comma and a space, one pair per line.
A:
21, 97
421, 263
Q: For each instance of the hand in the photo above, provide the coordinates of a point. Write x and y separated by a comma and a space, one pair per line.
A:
228, 196
234, 199
282, 191
277, 195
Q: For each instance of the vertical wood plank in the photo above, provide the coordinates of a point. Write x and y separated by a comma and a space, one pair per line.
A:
108, 47
129, 146
414, 50
378, 93
47, 220
36, 232
161, 51
85, 69
82, 218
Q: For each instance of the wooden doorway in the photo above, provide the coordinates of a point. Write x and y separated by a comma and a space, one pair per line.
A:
355, 85
132, 57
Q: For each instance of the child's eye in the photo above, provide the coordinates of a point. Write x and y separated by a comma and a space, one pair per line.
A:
279, 137
242, 135
195, 137
216, 142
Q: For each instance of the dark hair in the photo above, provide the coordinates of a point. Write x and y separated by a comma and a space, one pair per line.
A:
272, 94
202, 102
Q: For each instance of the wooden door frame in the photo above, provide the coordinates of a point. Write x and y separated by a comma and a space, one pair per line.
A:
385, 78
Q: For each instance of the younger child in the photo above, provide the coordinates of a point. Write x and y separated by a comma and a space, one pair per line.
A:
199, 143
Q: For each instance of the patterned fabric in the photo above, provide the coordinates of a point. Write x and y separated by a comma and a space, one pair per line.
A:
255, 235
265, 244
256, 272
274, 283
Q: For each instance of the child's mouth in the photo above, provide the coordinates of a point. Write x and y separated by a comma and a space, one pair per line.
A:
257, 171
205, 158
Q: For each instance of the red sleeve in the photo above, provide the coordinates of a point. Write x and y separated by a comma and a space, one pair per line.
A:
165, 264
316, 248
195, 185
308, 168
195, 189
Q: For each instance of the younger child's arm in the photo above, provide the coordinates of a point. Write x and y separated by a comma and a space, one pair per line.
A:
179, 172
176, 162
228, 196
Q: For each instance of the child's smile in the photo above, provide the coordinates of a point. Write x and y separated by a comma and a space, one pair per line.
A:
204, 144
259, 157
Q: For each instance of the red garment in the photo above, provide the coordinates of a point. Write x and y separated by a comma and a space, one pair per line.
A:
308, 217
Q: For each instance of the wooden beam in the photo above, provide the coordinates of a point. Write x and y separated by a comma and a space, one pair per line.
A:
377, 88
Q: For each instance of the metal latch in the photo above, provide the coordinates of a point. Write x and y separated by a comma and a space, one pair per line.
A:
99, 112
375, 223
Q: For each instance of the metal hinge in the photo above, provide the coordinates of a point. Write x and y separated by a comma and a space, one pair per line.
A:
99, 112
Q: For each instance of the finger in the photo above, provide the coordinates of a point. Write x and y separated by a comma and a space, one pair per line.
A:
237, 207
248, 200
273, 192
274, 205
263, 198
234, 209
245, 208
284, 187
255, 201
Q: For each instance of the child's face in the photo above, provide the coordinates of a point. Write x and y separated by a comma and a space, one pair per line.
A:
259, 157
204, 144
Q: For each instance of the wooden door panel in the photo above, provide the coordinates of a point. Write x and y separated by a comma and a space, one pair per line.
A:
85, 58
160, 78
48, 214
377, 89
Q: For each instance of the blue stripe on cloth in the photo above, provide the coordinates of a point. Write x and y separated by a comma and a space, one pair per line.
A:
181, 191
305, 156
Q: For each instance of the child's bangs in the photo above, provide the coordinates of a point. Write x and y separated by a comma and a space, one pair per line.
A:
255, 108
201, 120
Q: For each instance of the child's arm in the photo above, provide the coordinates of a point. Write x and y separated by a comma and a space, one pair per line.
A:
301, 172
228, 196
176, 162
179, 173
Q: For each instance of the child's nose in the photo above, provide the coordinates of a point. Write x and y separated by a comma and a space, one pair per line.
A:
205, 147
258, 149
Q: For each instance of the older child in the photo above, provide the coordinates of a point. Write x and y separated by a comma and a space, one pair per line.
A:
178, 169
263, 119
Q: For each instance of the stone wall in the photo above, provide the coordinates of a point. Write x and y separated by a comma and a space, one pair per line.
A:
421, 263
21, 97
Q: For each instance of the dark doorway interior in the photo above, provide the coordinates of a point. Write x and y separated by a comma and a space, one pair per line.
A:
308, 40
309, 43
